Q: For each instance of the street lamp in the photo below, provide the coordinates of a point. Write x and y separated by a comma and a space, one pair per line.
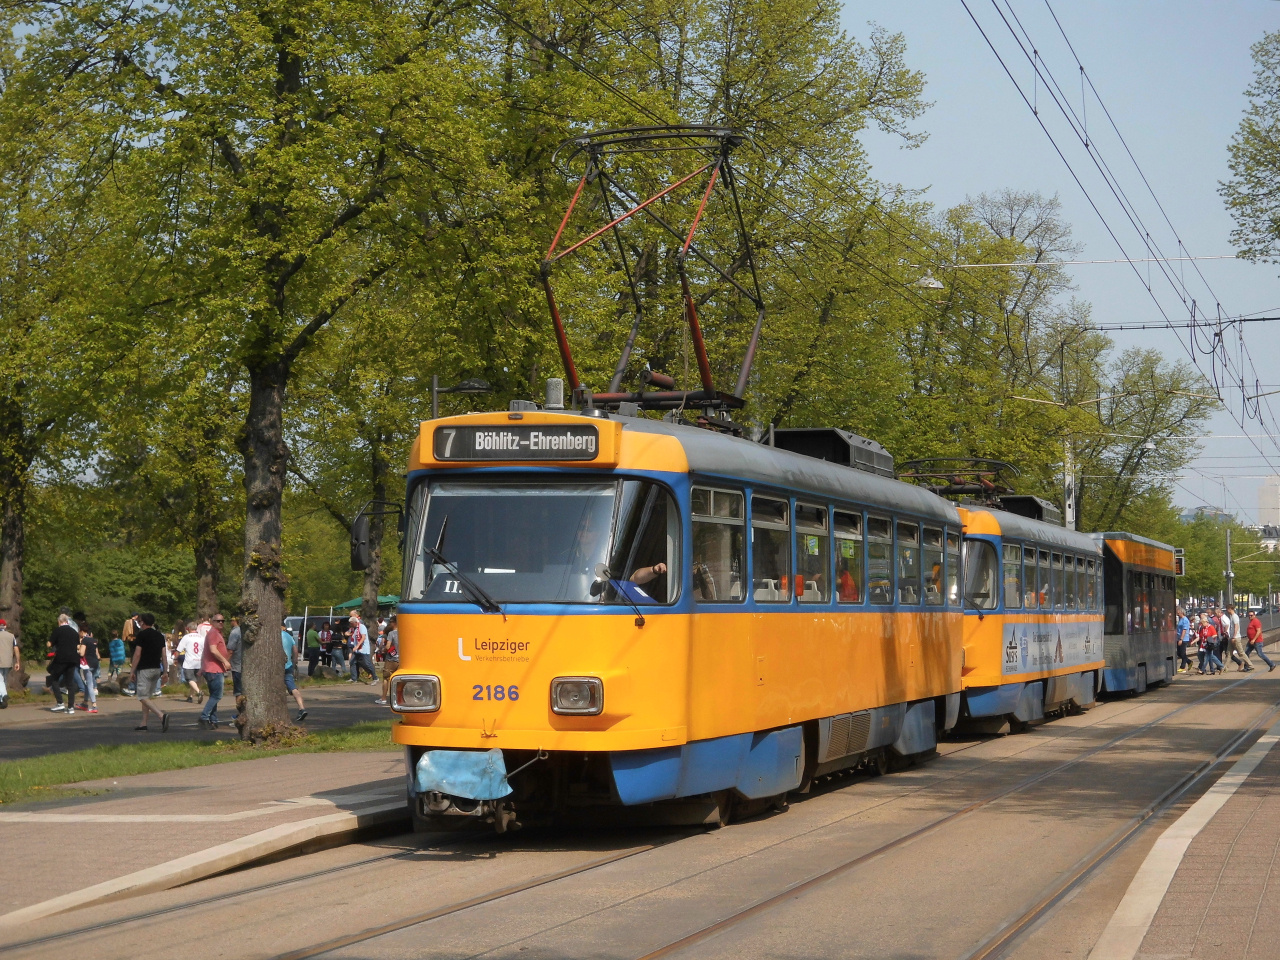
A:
929, 282
472, 386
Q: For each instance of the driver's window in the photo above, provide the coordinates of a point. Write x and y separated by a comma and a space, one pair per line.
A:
981, 569
646, 545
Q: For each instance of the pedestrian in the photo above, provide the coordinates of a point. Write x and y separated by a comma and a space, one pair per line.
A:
132, 627
1253, 631
115, 650
148, 662
10, 656
337, 650
236, 649
1209, 646
312, 649
191, 646
390, 656
290, 684
326, 643
1237, 640
215, 661
86, 677
64, 643
361, 651
1184, 638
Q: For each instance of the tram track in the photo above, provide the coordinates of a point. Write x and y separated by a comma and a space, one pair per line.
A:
331, 945
792, 891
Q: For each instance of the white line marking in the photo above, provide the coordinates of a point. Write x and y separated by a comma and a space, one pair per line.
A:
1129, 924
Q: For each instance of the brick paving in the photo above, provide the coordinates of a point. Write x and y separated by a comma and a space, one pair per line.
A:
53, 848
1224, 901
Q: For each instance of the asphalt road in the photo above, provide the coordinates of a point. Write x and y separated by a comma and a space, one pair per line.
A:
931, 862
28, 730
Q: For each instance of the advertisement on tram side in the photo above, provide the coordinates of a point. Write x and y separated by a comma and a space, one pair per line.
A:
1038, 647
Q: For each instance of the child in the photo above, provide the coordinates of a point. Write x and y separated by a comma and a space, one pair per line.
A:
115, 650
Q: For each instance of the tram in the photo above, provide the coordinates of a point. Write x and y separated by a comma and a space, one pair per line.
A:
1140, 635
1033, 639
618, 610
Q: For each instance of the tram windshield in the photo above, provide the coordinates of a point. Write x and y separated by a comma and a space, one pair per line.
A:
544, 541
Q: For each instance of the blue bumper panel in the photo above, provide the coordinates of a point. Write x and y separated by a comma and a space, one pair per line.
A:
471, 774
757, 765
994, 701
918, 731
1031, 704
1115, 679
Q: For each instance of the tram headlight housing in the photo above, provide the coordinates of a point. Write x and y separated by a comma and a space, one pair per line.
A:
410, 694
577, 696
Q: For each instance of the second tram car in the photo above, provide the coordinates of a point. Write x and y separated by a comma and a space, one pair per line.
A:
1033, 626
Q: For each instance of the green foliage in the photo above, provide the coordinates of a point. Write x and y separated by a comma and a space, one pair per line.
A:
1252, 193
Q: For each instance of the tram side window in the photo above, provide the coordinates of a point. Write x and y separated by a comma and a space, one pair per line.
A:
1029, 592
848, 529
1069, 583
1045, 602
933, 567
980, 572
813, 554
1082, 602
1013, 576
770, 550
1091, 585
718, 553
953, 569
879, 560
1150, 608
908, 563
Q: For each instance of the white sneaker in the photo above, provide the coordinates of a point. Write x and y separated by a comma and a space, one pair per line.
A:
58, 709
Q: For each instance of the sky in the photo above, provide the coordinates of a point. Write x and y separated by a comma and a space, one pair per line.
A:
1173, 76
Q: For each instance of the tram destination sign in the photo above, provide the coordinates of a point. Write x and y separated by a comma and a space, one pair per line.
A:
517, 443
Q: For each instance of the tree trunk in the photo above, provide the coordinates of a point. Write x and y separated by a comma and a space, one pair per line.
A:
373, 576
208, 547
262, 593
12, 545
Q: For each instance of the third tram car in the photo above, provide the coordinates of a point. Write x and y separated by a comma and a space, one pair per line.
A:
1140, 637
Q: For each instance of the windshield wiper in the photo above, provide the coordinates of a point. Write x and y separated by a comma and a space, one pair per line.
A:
605, 578
477, 593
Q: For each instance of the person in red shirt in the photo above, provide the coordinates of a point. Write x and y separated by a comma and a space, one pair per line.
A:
1209, 645
214, 663
1256, 640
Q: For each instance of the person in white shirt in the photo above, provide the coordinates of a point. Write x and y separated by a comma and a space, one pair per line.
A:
191, 647
1238, 653
361, 651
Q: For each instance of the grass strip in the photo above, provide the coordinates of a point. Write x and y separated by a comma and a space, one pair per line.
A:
43, 778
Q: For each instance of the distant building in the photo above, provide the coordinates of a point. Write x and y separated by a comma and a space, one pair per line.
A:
1213, 513
1269, 502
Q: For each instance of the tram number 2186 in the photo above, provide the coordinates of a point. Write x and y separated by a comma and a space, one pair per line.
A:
483, 692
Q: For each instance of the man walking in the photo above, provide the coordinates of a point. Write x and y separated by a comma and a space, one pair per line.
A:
64, 641
214, 664
1184, 638
1237, 640
10, 656
290, 684
148, 661
191, 646
1256, 640
236, 651
86, 676
361, 651
312, 649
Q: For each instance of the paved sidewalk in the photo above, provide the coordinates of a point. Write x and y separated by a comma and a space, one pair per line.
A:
1224, 900
140, 825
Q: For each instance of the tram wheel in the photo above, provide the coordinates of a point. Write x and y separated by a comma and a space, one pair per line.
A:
724, 808
879, 764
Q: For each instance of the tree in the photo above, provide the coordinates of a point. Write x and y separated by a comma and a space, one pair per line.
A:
1252, 193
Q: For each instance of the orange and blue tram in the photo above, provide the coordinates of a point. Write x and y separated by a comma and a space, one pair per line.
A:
613, 610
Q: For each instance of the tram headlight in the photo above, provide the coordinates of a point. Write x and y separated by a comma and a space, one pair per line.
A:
577, 696
415, 694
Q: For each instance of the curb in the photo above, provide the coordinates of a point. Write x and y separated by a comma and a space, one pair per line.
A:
275, 842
